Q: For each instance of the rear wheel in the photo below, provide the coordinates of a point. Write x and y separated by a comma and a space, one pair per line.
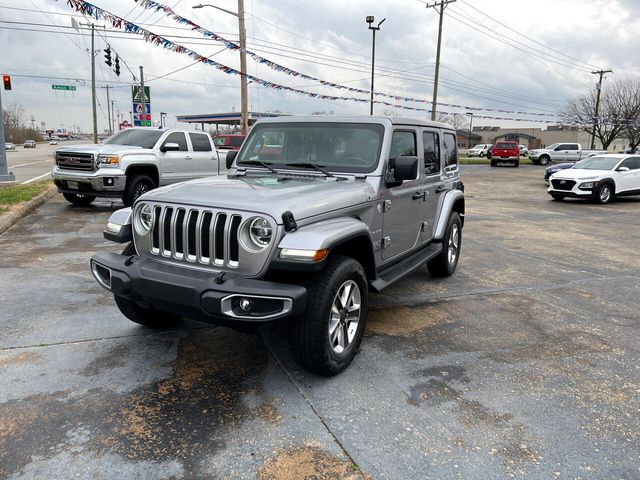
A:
544, 160
140, 315
446, 262
79, 199
326, 338
137, 185
604, 193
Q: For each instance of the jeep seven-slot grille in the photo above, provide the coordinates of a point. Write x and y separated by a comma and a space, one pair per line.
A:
75, 161
563, 184
207, 237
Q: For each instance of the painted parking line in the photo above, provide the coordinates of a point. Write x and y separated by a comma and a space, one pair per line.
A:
36, 178
30, 163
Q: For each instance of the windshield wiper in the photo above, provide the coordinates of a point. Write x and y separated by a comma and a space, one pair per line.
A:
311, 165
259, 163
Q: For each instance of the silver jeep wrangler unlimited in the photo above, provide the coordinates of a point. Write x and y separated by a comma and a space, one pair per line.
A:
314, 213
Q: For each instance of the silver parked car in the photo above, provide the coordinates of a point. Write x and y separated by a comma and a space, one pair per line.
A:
314, 214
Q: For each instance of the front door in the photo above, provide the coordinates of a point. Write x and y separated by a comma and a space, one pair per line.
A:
176, 166
403, 203
205, 158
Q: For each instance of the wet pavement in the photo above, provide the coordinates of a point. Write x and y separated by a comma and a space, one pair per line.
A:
523, 364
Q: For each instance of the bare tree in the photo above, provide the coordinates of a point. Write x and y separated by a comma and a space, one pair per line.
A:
618, 105
13, 116
458, 121
632, 126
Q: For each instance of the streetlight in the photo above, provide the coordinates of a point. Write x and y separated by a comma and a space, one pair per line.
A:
162, 117
470, 130
370, 20
244, 98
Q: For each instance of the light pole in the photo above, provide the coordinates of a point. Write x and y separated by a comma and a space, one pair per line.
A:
470, 129
162, 116
244, 96
373, 29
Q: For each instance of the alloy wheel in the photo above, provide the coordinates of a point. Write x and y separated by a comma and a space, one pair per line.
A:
344, 316
453, 244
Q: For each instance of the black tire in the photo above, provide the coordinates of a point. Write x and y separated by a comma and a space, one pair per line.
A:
79, 199
310, 339
136, 186
557, 197
544, 160
604, 193
140, 315
516, 164
493, 163
445, 264
481, 154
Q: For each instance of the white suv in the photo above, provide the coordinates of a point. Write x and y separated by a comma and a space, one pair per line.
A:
602, 178
479, 150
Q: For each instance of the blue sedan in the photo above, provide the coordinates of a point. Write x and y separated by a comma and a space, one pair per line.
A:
555, 168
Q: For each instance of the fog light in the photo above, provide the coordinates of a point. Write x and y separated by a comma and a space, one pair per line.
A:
245, 305
108, 181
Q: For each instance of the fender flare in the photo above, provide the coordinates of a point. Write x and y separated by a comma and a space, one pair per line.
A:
453, 201
325, 234
610, 181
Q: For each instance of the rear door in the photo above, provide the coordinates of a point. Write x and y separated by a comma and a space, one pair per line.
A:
403, 205
205, 158
433, 182
629, 181
176, 166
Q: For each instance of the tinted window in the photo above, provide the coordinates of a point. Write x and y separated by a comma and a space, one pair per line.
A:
431, 143
179, 138
631, 163
236, 141
403, 144
571, 146
135, 137
200, 142
450, 150
506, 145
219, 141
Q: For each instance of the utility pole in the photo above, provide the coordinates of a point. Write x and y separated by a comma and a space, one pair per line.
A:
93, 83
113, 117
108, 109
244, 93
143, 99
374, 29
595, 120
470, 129
442, 4
5, 175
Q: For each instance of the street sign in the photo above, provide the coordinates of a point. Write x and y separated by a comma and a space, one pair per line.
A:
64, 87
138, 108
135, 94
124, 125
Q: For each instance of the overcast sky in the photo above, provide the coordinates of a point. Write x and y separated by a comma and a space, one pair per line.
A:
327, 39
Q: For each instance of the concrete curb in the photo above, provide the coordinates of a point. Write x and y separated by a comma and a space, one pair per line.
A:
24, 209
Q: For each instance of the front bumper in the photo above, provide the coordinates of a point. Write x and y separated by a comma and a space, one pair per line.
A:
575, 192
211, 297
103, 183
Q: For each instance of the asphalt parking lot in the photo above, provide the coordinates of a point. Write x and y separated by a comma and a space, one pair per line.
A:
32, 164
523, 364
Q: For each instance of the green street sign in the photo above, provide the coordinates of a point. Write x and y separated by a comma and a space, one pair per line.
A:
64, 87
135, 94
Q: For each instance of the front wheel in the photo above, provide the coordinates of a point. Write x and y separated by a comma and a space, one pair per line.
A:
604, 194
516, 164
493, 163
326, 338
137, 185
544, 160
481, 154
446, 262
79, 199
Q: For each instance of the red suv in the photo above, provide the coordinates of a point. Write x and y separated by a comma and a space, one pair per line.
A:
505, 152
228, 141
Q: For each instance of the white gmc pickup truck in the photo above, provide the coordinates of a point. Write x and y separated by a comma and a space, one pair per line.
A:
561, 152
132, 162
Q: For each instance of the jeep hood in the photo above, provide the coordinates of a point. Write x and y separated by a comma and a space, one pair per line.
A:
304, 196
99, 148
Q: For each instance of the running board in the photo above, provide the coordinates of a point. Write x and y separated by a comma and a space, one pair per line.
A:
390, 275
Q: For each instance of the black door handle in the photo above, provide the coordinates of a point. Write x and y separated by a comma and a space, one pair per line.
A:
417, 195
440, 189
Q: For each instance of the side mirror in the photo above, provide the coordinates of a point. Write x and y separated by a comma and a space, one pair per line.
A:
623, 169
404, 168
231, 156
170, 147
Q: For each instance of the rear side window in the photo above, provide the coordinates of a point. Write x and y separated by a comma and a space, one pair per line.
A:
200, 142
431, 143
236, 141
179, 138
632, 163
450, 150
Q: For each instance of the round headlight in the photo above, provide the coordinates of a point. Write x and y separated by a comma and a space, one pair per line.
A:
256, 234
143, 219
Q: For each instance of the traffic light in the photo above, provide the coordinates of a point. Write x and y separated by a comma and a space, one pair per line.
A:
117, 67
6, 81
107, 55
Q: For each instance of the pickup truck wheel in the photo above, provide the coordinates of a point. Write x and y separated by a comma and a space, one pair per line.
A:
78, 198
136, 186
493, 163
446, 262
544, 160
327, 337
516, 164
140, 315
604, 193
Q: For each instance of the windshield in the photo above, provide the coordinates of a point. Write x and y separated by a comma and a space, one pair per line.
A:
477, 147
135, 138
338, 147
597, 163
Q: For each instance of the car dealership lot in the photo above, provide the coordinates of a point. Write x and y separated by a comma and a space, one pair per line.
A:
524, 363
